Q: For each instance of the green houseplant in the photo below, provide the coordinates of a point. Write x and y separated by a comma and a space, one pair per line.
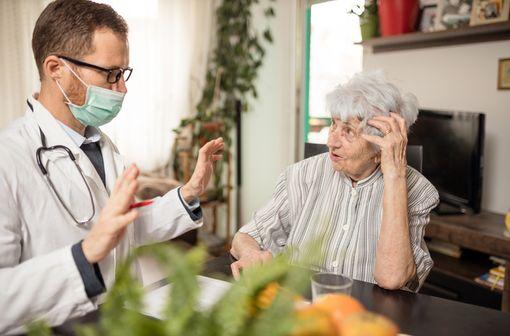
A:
230, 81
368, 18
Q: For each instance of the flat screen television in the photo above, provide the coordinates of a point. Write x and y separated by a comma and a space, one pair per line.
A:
452, 156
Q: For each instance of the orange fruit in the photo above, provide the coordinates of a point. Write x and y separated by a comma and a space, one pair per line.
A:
367, 323
339, 307
313, 321
267, 295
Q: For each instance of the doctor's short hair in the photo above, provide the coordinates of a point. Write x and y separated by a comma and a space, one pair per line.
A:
368, 94
67, 27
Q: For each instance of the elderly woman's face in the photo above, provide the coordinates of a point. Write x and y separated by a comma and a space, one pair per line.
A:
348, 151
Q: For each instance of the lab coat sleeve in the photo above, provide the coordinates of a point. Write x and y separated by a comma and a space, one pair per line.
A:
47, 287
165, 219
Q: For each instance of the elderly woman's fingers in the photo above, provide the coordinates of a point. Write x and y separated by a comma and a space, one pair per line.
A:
403, 131
391, 121
381, 125
401, 123
236, 269
374, 139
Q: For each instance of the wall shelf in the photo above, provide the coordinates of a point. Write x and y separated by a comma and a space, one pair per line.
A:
484, 33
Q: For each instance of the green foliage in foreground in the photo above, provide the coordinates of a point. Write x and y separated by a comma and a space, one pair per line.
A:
234, 314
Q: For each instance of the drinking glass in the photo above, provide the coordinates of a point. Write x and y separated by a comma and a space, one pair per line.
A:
327, 283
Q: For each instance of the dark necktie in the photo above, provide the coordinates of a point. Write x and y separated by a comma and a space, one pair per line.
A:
93, 151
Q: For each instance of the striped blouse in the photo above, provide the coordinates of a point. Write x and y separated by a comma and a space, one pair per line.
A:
313, 200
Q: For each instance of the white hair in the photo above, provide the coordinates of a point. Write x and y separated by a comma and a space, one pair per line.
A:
368, 94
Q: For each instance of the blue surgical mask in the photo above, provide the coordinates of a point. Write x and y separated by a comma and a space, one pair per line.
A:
100, 107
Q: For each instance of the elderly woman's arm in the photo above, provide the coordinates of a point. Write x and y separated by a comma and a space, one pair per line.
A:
394, 264
266, 234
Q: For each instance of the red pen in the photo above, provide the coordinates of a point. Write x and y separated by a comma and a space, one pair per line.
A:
141, 204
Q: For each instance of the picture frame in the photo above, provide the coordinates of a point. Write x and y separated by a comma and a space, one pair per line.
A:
428, 19
452, 14
489, 11
504, 74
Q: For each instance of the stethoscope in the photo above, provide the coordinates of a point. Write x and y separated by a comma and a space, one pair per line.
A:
44, 148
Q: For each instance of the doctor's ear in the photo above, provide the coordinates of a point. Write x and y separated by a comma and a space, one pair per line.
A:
53, 67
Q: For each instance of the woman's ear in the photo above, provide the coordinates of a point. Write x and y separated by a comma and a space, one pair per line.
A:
377, 157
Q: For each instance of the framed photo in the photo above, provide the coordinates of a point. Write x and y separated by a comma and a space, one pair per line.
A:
489, 11
453, 14
427, 3
428, 19
504, 74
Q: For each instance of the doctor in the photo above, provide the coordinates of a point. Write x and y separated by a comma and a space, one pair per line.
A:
65, 217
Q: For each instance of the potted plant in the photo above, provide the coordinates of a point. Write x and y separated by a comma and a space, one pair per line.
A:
398, 16
368, 19
230, 80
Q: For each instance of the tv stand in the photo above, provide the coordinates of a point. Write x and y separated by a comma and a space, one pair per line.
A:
483, 233
445, 209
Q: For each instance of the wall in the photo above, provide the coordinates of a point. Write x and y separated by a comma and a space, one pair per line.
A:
18, 72
269, 129
464, 78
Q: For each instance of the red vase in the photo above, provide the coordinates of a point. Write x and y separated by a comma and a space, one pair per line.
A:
397, 16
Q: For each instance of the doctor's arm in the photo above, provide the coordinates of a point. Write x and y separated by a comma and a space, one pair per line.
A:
51, 286
179, 210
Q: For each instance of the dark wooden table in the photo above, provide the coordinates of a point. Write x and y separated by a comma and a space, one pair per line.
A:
415, 314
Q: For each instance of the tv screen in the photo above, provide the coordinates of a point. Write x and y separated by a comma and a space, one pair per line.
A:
452, 154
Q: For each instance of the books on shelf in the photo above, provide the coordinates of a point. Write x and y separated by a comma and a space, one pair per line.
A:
498, 271
445, 248
494, 279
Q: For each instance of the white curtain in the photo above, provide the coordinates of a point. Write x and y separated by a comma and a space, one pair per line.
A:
18, 73
169, 42
168, 52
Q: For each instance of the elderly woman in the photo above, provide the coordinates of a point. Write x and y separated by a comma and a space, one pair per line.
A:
369, 205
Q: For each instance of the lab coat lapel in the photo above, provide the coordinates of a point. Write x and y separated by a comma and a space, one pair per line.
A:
113, 162
55, 135
114, 166
57, 161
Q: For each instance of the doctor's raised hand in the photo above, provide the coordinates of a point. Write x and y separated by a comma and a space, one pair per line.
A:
207, 155
113, 219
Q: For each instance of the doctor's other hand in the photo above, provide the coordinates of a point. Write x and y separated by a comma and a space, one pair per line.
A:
249, 258
207, 155
113, 219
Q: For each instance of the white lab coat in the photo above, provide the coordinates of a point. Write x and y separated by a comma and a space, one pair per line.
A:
38, 276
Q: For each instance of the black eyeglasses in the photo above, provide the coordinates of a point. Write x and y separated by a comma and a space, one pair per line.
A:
114, 75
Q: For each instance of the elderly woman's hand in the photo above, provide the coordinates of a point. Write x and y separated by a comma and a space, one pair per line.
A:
249, 258
392, 144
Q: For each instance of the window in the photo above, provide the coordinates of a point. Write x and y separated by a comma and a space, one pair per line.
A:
332, 58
